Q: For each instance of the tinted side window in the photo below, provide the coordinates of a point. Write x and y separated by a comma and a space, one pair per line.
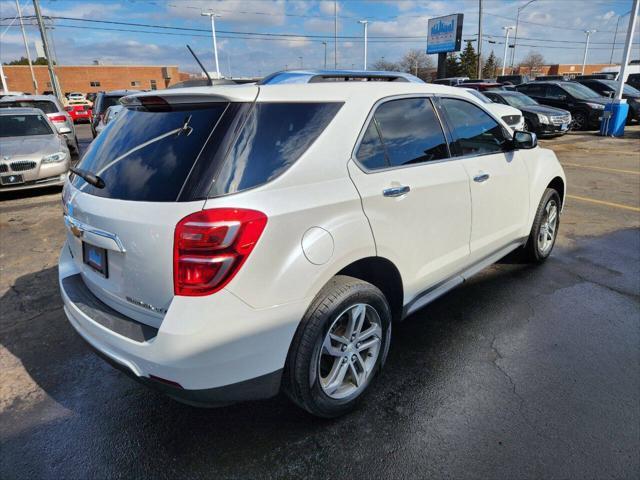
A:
474, 131
371, 151
555, 92
274, 136
534, 90
410, 131
44, 105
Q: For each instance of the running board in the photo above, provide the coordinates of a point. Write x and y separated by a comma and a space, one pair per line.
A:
441, 288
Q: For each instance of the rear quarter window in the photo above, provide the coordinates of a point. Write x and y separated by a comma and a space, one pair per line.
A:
273, 137
44, 105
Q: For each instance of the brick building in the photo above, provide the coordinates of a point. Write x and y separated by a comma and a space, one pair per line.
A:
570, 69
94, 78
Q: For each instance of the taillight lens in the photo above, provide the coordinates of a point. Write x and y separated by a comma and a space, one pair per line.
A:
57, 118
210, 246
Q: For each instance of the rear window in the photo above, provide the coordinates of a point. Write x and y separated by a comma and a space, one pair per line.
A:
108, 101
274, 136
147, 155
194, 151
44, 105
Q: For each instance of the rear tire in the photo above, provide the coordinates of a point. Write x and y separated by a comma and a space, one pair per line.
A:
332, 362
580, 121
545, 228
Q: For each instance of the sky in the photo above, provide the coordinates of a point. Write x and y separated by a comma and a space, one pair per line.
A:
293, 32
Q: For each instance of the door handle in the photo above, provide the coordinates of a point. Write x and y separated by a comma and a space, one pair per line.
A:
481, 177
396, 191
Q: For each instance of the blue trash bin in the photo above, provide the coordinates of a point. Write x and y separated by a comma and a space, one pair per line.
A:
614, 118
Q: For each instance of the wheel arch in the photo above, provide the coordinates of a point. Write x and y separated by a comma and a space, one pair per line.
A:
558, 185
383, 274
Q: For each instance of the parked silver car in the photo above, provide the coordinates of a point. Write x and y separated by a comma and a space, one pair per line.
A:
32, 153
50, 105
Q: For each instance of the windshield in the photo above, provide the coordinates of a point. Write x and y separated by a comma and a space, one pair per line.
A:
628, 89
44, 105
23, 125
579, 91
519, 100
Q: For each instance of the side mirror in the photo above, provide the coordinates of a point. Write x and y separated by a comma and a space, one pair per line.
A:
64, 130
525, 140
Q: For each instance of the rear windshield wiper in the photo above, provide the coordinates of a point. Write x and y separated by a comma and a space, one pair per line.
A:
88, 177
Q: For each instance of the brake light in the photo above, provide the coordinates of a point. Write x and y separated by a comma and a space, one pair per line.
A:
210, 246
58, 118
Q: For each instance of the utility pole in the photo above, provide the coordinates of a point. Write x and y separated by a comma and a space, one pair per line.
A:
45, 45
365, 23
325, 54
586, 48
615, 35
301, 63
335, 33
506, 46
479, 39
213, 17
3, 79
627, 49
26, 47
515, 38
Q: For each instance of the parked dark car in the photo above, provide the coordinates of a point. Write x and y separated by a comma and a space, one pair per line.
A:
634, 80
542, 78
481, 86
607, 88
597, 76
544, 121
513, 79
103, 101
585, 105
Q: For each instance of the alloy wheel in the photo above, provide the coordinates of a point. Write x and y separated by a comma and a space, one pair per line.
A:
548, 227
350, 350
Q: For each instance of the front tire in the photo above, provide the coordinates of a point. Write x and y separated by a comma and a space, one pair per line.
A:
545, 227
339, 347
580, 121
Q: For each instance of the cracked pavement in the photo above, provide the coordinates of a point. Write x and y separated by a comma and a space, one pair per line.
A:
523, 372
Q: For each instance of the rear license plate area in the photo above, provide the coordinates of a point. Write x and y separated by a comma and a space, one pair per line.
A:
11, 180
96, 258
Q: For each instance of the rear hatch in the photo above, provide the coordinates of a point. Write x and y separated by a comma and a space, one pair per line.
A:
155, 159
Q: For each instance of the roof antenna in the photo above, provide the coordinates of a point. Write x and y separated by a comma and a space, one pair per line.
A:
209, 82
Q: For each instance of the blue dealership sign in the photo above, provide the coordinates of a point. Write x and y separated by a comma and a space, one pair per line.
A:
444, 34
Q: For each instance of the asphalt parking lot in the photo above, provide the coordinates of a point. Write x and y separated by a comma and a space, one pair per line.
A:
523, 372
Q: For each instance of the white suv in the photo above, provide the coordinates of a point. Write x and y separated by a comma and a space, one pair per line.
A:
227, 242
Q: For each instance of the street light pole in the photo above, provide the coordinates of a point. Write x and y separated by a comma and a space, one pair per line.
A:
325, 54
335, 33
45, 45
586, 48
213, 16
627, 49
301, 63
615, 35
515, 37
506, 46
479, 39
365, 23
26, 47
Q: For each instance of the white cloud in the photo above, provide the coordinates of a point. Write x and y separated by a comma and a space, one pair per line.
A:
245, 12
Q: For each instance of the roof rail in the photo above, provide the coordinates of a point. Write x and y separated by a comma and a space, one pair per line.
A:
320, 76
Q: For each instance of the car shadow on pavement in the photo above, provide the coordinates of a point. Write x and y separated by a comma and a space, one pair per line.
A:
82, 419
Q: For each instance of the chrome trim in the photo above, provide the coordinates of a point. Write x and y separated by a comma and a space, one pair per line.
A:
430, 294
76, 225
396, 191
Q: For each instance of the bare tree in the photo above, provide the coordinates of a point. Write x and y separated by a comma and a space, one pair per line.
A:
416, 62
383, 65
533, 61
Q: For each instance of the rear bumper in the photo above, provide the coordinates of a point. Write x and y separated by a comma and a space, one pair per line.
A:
207, 351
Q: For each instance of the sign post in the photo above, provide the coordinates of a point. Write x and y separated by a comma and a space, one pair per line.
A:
444, 34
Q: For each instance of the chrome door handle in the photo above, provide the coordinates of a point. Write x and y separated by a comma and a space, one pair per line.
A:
396, 191
481, 177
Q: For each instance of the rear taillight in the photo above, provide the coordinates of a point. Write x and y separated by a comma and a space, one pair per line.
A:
210, 246
58, 118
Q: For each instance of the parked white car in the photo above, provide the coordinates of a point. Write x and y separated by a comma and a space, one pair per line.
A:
511, 115
227, 242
